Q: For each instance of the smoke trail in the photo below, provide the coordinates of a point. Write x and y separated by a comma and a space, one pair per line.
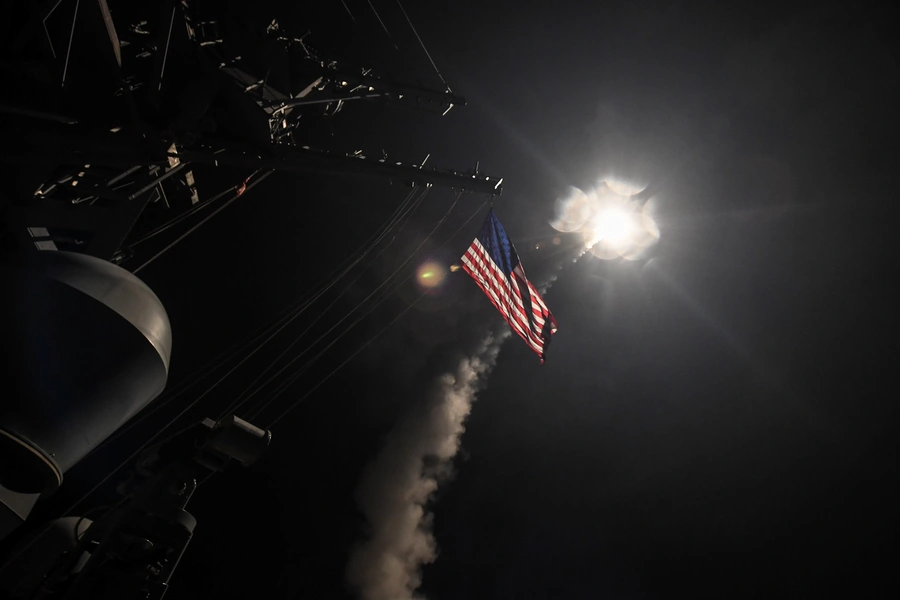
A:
418, 456
397, 486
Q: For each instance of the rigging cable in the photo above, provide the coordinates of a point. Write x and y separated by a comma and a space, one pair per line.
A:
179, 218
309, 363
247, 393
284, 387
357, 307
128, 460
338, 368
428, 54
367, 343
209, 368
387, 294
184, 386
348, 11
280, 324
383, 26
39, 537
241, 399
262, 344
259, 346
202, 222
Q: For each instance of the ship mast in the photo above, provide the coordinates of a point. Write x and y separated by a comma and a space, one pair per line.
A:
105, 118
182, 95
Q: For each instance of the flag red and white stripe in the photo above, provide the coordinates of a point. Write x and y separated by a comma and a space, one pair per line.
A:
492, 262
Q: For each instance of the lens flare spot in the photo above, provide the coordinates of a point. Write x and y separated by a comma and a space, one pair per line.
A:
430, 275
572, 211
612, 222
601, 250
651, 229
623, 187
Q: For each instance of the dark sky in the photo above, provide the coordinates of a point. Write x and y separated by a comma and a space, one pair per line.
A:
715, 421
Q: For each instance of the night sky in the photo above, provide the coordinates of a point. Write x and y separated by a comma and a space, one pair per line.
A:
714, 420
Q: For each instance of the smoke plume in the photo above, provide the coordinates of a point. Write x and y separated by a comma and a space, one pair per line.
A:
396, 488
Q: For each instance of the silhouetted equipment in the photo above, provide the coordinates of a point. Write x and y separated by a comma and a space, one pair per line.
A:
147, 101
132, 551
37, 555
107, 115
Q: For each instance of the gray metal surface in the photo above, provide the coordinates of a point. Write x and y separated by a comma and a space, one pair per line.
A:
14, 509
86, 345
117, 289
240, 440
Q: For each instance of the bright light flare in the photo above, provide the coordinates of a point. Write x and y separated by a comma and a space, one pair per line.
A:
572, 211
614, 226
610, 222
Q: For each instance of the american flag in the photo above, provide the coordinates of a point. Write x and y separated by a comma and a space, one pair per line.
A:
492, 262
